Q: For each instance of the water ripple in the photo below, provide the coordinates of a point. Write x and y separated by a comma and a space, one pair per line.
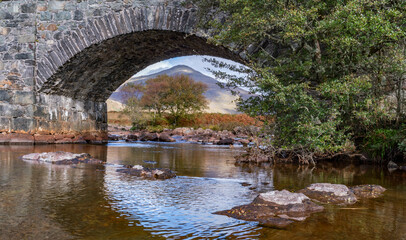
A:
181, 207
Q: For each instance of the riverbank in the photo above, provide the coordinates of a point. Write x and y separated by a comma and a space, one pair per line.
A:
272, 156
91, 137
239, 135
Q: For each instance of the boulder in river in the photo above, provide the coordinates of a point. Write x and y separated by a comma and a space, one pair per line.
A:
330, 193
368, 191
148, 173
164, 137
147, 136
62, 158
131, 137
392, 165
226, 141
275, 209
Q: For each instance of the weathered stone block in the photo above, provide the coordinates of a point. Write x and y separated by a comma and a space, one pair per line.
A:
78, 15
56, 5
7, 110
4, 139
5, 95
26, 38
23, 124
28, 8
4, 124
23, 98
5, 31
6, 15
64, 141
44, 139
63, 16
20, 139
41, 111
46, 16
52, 27
23, 56
7, 56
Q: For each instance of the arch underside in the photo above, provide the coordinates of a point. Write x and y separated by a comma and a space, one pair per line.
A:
97, 71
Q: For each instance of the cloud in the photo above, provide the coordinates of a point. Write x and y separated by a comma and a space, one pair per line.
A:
154, 68
196, 62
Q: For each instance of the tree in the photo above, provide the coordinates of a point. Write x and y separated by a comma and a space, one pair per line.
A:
178, 95
132, 93
131, 90
325, 70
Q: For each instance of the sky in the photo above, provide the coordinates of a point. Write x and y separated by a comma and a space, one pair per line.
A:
195, 62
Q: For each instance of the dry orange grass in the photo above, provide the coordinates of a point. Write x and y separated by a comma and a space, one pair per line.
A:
205, 120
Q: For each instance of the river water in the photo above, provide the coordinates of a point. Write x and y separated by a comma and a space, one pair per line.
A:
42, 201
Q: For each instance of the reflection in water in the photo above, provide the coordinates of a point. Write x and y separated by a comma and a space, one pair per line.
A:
39, 201
180, 207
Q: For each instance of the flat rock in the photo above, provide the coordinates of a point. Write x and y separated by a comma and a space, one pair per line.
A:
62, 158
275, 209
330, 193
367, 191
148, 173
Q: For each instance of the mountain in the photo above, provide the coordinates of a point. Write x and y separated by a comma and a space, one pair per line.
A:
220, 100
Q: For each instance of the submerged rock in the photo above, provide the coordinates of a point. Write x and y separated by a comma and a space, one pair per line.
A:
368, 191
148, 173
330, 193
392, 165
275, 209
65, 158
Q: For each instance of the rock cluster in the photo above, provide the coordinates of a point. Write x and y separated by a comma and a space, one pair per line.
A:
68, 158
48, 138
239, 135
281, 208
148, 173
275, 209
62, 158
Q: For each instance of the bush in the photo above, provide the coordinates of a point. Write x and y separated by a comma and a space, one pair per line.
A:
382, 142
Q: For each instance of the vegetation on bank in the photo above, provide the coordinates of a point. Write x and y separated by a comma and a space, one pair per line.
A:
330, 73
213, 121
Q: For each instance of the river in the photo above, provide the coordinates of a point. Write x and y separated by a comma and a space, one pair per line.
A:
42, 201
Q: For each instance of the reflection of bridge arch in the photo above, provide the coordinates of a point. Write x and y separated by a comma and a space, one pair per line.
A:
81, 52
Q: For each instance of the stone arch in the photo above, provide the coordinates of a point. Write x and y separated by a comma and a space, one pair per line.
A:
93, 61
77, 72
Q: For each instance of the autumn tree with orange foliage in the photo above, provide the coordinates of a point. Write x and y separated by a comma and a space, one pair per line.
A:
177, 95
132, 93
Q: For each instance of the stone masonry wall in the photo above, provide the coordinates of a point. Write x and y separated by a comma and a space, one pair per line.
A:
54, 78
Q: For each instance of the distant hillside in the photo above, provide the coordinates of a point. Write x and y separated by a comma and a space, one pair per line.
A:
220, 100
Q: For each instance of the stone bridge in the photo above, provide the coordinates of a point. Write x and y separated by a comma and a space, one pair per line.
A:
61, 60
